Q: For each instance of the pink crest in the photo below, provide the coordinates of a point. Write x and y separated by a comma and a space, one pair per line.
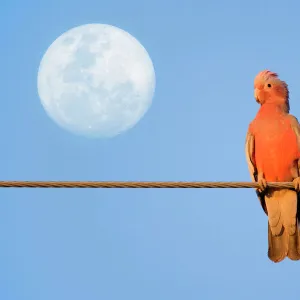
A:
263, 76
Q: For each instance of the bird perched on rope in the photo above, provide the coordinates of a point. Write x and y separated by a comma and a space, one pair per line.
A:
273, 154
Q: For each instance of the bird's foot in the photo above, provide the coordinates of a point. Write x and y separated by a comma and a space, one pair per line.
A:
262, 183
296, 183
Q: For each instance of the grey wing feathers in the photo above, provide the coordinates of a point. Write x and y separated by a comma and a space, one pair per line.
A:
249, 151
296, 128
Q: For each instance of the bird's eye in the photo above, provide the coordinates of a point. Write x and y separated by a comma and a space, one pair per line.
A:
269, 85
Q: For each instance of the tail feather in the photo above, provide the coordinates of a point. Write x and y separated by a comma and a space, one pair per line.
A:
284, 245
283, 220
278, 245
294, 245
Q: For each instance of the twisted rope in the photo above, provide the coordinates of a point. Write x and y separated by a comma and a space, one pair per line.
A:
137, 184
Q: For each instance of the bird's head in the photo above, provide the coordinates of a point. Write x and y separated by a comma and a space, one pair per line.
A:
268, 88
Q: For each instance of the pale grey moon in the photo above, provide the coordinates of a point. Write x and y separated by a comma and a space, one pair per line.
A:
96, 80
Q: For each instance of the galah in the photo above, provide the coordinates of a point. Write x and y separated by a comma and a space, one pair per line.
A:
273, 155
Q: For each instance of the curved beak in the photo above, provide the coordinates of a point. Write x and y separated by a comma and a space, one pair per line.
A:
256, 96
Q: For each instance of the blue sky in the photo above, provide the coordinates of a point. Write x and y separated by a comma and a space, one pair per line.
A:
144, 244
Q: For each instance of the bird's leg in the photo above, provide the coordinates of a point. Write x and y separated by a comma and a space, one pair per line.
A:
296, 183
261, 182
295, 174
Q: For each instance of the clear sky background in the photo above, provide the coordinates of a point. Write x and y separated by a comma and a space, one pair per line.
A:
144, 244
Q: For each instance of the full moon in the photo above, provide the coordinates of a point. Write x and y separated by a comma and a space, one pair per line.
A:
96, 80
